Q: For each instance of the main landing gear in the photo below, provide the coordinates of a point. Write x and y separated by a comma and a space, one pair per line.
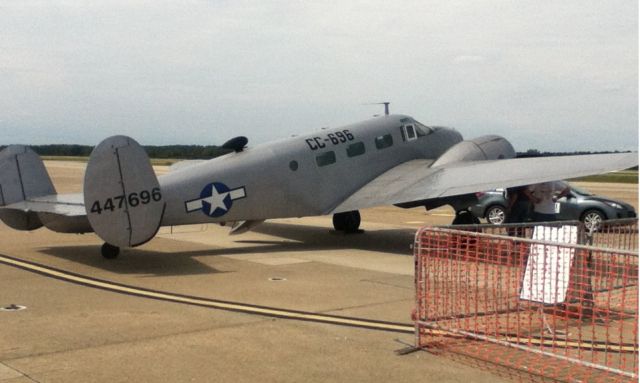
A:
347, 222
109, 251
465, 217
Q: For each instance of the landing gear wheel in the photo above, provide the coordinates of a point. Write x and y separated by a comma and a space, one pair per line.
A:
465, 217
109, 251
348, 222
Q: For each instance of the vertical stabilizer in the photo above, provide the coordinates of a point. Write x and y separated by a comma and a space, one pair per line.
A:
22, 176
122, 196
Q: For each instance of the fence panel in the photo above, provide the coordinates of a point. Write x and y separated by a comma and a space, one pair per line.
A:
553, 309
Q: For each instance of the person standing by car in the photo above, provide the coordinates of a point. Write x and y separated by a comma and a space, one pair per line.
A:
518, 208
518, 204
544, 196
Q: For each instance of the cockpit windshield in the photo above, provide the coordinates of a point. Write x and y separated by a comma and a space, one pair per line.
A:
579, 191
422, 129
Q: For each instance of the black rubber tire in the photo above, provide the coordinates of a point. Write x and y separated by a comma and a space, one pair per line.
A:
491, 212
109, 251
465, 218
338, 222
591, 217
349, 221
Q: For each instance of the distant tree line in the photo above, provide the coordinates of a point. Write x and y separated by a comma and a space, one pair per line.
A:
537, 153
196, 152
190, 152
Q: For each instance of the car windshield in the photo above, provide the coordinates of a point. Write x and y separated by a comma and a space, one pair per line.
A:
580, 191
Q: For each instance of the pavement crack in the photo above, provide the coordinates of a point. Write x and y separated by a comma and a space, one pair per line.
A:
133, 341
22, 374
387, 284
334, 310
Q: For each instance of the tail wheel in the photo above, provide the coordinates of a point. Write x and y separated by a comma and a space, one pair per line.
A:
109, 251
465, 217
496, 214
592, 219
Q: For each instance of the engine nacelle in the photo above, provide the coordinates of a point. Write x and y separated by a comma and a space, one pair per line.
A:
479, 149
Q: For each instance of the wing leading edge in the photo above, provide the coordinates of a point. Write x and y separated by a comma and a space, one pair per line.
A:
415, 180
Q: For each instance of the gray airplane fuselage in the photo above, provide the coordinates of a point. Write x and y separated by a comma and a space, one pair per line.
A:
297, 176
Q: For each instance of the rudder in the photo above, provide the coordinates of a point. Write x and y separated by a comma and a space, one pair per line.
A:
22, 176
122, 195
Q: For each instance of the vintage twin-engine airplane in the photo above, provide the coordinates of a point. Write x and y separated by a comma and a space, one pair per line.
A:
389, 160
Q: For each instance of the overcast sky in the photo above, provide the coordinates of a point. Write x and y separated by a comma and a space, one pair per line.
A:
546, 74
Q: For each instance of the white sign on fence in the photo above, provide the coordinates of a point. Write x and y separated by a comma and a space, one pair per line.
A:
546, 278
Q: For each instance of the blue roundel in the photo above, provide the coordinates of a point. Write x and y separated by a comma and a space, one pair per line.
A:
216, 199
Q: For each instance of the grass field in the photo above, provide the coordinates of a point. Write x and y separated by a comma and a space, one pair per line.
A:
623, 177
154, 161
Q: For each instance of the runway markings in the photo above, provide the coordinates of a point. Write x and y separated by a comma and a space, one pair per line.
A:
278, 312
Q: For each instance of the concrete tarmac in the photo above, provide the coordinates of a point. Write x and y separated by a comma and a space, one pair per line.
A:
73, 333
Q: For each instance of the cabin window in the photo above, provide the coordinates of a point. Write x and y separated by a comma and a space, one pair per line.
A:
293, 165
355, 149
326, 158
384, 141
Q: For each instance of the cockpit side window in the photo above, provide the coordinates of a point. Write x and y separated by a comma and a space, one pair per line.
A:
408, 132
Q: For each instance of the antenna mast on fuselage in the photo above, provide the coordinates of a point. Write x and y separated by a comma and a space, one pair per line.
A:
386, 106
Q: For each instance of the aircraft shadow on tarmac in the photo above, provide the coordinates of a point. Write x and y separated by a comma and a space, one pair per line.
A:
295, 238
135, 261
313, 238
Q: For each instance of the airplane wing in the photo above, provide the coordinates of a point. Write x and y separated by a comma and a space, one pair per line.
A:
416, 180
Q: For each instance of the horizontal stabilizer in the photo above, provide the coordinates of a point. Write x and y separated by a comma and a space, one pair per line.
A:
71, 205
122, 196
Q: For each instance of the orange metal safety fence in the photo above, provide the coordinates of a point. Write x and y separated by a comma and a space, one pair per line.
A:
616, 234
621, 234
544, 305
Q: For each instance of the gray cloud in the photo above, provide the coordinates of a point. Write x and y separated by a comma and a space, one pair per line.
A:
545, 74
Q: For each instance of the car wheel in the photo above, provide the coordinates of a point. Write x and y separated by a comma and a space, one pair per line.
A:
592, 219
496, 214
